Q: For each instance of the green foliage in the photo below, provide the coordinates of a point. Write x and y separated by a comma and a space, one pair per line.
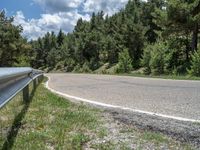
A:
85, 68
60, 38
77, 68
183, 18
140, 24
195, 64
177, 55
145, 61
94, 43
157, 61
125, 62
69, 64
154, 58
23, 61
149, 19
82, 69
51, 60
14, 50
139, 30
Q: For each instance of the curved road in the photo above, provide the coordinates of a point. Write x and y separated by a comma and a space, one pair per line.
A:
167, 97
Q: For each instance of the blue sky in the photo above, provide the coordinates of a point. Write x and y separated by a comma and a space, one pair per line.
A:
40, 16
28, 7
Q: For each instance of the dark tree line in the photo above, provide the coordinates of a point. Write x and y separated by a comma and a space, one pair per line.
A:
154, 37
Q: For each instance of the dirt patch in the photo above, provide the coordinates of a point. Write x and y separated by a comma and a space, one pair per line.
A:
118, 133
184, 132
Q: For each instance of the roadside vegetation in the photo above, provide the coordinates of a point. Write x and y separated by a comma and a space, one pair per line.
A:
51, 122
156, 38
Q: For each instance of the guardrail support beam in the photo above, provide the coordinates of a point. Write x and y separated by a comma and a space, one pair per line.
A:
26, 94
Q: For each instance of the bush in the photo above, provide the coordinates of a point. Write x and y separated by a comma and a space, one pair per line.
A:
85, 68
157, 62
195, 64
93, 64
77, 68
154, 58
60, 66
176, 61
22, 61
125, 62
69, 64
146, 59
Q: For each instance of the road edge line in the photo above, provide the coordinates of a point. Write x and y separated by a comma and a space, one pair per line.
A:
118, 107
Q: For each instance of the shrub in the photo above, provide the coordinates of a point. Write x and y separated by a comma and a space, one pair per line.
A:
60, 65
85, 68
154, 58
146, 59
176, 61
125, 62
93, 64
157, 61
69, 64
22, 61
195, 64
77, 68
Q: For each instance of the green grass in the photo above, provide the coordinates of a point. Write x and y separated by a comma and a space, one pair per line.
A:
48, 121
154, 137
102, 132
104, 146
158, 139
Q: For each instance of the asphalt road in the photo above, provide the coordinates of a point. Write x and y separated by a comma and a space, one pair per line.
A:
167, 97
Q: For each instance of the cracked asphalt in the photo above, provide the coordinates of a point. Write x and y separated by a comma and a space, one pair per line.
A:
168, 97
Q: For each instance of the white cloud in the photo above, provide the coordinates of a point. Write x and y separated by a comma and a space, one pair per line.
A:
108, 6
52, 6
63, 14
34, 28
30, 29
87, 6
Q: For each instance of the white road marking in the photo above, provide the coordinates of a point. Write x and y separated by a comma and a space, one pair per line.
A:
118, 107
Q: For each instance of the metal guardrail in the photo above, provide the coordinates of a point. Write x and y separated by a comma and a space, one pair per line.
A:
15, 80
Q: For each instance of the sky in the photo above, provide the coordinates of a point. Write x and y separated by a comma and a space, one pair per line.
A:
40, 16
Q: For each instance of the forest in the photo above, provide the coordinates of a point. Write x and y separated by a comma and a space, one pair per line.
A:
153, 38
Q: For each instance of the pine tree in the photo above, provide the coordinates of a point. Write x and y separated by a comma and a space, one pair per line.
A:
125, 62
184, 17
148, 19
14, 49
60, 38
195, 64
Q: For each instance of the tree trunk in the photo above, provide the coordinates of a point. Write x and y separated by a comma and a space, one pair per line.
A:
195, 37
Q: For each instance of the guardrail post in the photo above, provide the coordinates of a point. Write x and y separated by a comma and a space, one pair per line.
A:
40, 78
35, 82
26, 94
